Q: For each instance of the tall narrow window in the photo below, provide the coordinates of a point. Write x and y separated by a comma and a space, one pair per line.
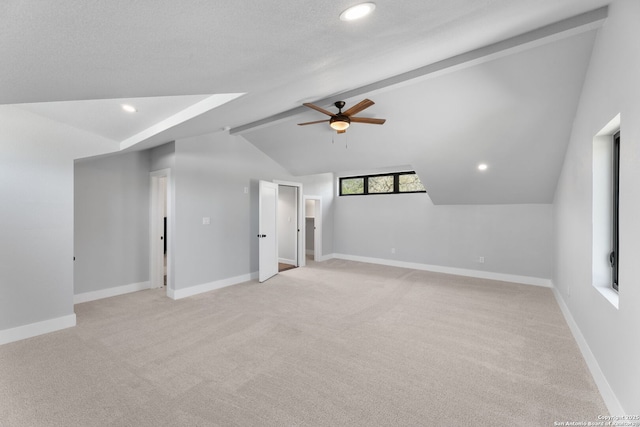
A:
615, 179
605, 202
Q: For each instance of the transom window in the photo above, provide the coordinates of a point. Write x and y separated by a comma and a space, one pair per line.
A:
389, 183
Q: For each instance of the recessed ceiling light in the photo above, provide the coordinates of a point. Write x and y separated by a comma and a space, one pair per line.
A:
482, 166
129, 108
358, 11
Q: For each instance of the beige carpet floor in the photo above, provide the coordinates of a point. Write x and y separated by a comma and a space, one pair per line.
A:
333, 344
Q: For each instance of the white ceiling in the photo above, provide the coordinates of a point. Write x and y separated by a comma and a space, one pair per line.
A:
105, 117
514, 114
282, 53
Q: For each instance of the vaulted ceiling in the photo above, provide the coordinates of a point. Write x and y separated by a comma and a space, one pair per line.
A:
495, 81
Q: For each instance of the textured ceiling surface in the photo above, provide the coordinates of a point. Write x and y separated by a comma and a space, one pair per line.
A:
282, 53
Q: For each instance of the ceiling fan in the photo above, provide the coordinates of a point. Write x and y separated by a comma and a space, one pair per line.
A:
341, 121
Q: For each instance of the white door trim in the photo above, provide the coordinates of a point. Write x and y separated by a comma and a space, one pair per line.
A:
156, 252
300, 212
317, 222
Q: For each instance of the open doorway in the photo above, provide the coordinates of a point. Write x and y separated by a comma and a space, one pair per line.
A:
269, 217
313, 227
160, 226
288, 227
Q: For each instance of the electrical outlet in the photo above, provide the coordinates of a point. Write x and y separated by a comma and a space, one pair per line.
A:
393, 250
206, 220
246, 190
481, 260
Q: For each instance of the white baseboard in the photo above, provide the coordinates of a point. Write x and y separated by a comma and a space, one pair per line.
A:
287, 261
322, 258
609, 397
525, 280
38, 328
206, 287
110, 292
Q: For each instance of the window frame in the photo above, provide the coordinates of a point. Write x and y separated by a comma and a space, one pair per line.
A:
614, 257
396, 184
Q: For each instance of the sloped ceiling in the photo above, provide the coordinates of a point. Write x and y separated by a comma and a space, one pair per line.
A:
282, 53
513, 113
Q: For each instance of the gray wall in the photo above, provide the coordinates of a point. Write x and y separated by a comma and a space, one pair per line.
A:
112, 221
513, 239
611, 87
36, 215
211, 173
163, 157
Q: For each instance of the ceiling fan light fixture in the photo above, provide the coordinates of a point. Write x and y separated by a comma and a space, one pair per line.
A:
358, 11
339, 123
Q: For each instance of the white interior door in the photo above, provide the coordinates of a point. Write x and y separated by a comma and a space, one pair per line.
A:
267, 233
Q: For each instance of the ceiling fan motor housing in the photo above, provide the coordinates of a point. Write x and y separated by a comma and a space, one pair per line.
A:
339, 122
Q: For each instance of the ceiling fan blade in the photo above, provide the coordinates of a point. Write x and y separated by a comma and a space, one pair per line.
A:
365, 103
312, 123
315, 107
368, 120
